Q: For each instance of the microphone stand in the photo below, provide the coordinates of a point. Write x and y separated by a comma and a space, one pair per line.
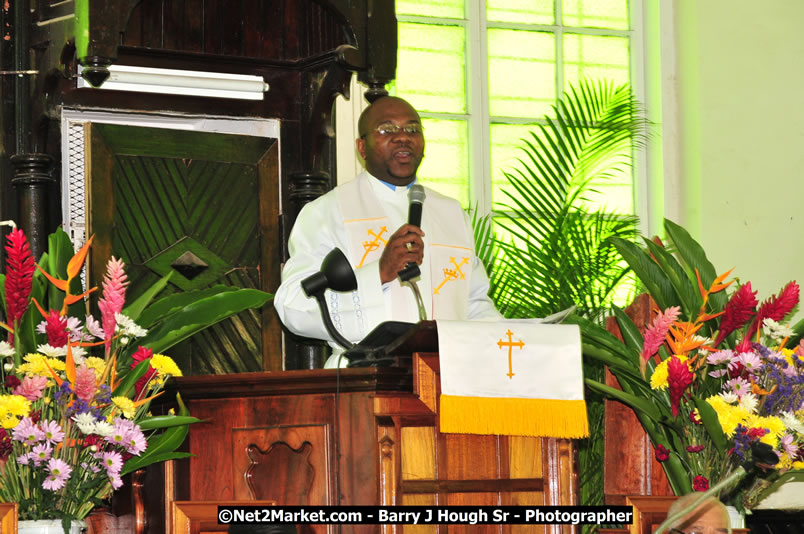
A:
406, 276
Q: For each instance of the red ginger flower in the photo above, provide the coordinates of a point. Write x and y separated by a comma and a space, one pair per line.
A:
56, 329
776, 307
700, 483
738, 311
19, 275
655, 334
679, 378
114, 296
142, 354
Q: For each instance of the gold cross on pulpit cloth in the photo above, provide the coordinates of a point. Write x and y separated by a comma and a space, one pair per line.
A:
510, 344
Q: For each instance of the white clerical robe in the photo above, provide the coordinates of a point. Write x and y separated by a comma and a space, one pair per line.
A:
358, 217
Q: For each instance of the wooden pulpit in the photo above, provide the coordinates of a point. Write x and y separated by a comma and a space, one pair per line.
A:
359, 436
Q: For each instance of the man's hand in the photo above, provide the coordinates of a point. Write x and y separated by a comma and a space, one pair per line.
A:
403, 247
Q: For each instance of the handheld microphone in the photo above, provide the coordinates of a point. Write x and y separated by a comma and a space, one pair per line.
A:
416, 196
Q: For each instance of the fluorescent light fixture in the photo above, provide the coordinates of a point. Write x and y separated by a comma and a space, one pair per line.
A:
181, 82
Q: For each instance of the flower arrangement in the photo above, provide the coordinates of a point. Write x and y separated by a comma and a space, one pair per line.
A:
712, 374
76, 390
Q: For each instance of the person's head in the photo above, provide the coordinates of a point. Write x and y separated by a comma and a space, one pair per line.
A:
709, 517
391, 140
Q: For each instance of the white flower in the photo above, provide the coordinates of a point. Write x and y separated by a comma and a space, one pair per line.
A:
6, 349
79, 355
775, 330
94, 327
793, 423
748, 402
729, 396
85, 422
103, 429
52, 352
127, 327
8, 366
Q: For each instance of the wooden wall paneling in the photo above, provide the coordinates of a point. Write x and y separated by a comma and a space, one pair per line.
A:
560, 480
629, 466
271, 249
286, 30
389, 460
211, 441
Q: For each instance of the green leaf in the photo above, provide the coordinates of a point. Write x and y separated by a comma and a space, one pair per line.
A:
166, 421
631, 335
202, 314
711, 423
602, 355
166, 306
127, 383
596, 334
648, 273
640, 405
134, 309
688, 294
694, 257
138, 463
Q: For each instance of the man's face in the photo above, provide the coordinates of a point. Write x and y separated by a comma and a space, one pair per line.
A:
392, 157
713, 520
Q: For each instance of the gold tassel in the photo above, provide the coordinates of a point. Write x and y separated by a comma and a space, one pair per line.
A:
514, 416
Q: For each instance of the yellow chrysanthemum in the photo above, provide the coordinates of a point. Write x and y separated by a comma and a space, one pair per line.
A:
658, 380
164, 365
96, 364
785, 462
125, 405
798, 465
774, 425
37, 365
727, 415
789, 355
12, 409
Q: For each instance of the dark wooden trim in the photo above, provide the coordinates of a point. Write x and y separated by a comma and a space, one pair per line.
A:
472, 486
290, 383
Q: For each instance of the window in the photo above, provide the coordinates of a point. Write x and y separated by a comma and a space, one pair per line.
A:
483, 73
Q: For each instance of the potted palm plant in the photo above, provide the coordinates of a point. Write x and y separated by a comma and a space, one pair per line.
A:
557, 253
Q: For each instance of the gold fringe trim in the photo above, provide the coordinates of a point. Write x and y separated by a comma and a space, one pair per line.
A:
514, 416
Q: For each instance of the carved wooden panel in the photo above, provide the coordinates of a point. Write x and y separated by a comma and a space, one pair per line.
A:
156, 200
287, 464
276, 30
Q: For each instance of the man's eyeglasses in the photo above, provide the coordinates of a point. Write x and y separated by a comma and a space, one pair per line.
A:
393, 129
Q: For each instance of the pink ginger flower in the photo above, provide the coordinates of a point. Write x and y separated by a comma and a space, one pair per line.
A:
31, 387
19, 276
114, 296
738, 311
655, 334
85, 384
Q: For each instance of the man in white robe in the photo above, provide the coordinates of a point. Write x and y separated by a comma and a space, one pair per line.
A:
367, 219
